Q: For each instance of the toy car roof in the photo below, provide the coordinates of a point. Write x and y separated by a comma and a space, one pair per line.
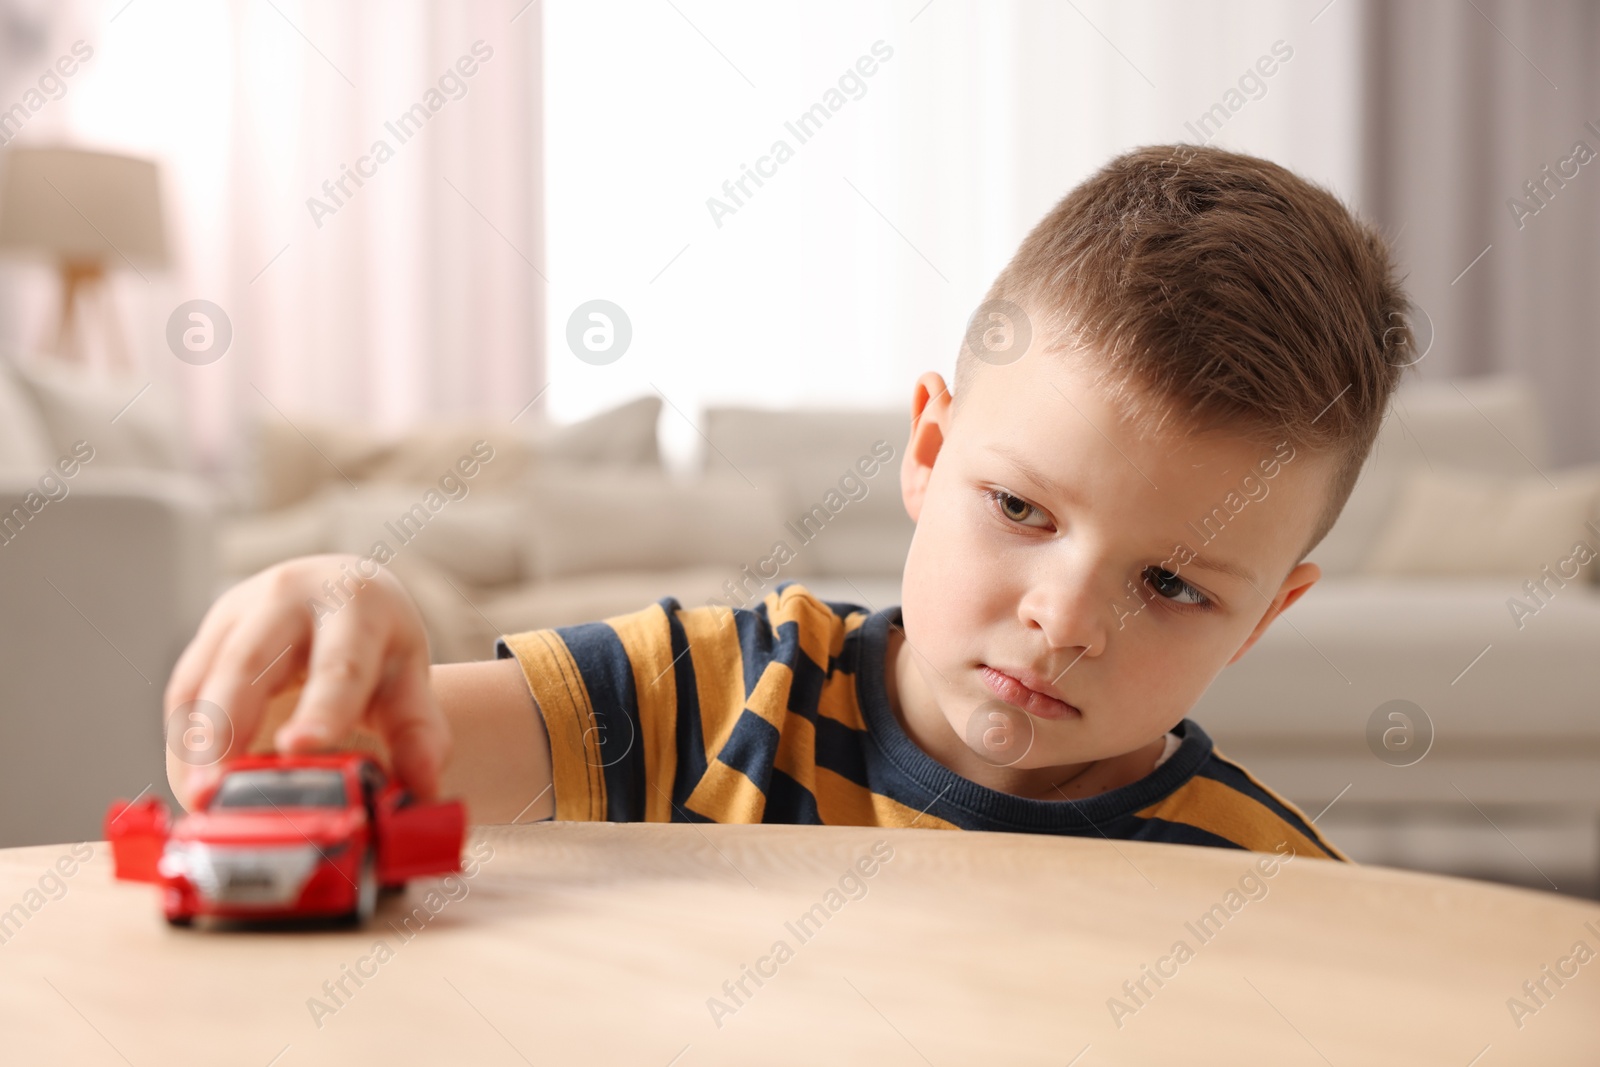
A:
276, 761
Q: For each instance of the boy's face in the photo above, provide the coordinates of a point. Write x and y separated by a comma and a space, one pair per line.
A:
1035, 509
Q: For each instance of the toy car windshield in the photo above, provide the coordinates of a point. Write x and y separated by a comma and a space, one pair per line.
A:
299, 788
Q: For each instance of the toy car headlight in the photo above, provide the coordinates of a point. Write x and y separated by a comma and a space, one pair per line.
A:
177, 859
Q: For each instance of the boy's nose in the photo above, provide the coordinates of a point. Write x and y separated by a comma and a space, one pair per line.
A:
1069, 612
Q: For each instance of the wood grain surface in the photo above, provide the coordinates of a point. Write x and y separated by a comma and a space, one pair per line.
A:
611, 943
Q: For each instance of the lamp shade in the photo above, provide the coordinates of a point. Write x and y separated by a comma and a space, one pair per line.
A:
72, 204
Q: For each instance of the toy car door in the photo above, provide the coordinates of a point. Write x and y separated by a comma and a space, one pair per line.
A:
416, 839
137, 833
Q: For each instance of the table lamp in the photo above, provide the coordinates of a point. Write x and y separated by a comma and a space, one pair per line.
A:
90, 212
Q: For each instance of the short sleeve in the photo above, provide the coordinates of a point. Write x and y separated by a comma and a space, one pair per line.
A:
607, 757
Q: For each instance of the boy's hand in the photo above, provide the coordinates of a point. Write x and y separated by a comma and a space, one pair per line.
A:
365, 663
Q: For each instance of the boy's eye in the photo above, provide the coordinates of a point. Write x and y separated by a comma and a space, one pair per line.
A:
1169, 586
1017, 509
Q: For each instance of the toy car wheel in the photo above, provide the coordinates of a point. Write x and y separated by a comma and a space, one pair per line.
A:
180, 920
366, 890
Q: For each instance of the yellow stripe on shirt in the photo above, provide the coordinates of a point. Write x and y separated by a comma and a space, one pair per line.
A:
797, 751
840, 802
726, 795
1217, 808
838, 701
815, 622
552, 674
1216, 754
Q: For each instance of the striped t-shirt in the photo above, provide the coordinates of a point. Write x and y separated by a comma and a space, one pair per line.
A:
777, 713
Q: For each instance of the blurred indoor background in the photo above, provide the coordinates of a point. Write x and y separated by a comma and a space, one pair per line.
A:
268, 268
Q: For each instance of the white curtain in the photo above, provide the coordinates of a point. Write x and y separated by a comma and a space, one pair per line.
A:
1475, 120
850, 269
856, 264
419, 291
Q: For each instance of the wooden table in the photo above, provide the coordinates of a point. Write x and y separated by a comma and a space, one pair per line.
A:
608, 943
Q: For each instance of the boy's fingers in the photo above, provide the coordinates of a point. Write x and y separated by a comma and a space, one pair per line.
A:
214, 709
414, 728
189, 673
259, 637
257, 658
346, 662
200, 657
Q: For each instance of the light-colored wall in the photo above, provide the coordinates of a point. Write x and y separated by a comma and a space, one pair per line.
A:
856, 266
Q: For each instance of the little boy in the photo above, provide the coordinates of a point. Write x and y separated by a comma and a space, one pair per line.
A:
1159, 410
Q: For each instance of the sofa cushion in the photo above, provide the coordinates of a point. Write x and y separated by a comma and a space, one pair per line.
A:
1481, 658
588, 598
1453, 522
622, 436
477, 539
293, 459
588, 521
250, 543
839, 476
467, 629
1491, 425
76, 404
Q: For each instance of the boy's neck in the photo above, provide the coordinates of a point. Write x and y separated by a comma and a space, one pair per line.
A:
915, 708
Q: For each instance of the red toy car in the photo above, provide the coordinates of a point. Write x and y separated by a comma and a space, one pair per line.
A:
287, 837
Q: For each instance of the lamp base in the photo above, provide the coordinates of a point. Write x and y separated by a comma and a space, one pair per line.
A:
84, 292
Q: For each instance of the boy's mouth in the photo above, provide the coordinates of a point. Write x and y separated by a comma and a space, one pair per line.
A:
1015, 692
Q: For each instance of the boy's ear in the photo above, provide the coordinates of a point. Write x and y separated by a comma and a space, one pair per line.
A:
1301, 579
930, 421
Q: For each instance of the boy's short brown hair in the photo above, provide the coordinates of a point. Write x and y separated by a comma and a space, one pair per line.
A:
1221, 291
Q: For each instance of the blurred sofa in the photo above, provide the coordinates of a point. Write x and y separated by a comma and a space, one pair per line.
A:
579, 522
1457, 509
493, 526
107, 563
1459, 517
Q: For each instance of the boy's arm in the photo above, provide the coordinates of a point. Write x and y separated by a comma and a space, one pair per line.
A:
500, 752
501, 761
